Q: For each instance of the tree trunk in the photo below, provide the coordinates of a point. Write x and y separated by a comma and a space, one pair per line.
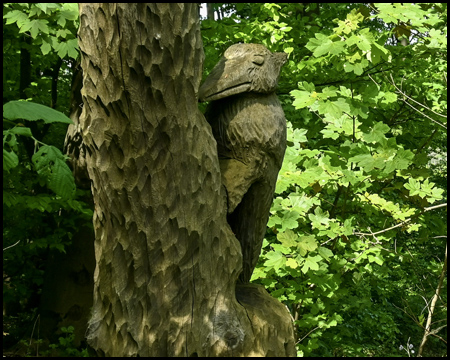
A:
25, 67
166, 259
209, 11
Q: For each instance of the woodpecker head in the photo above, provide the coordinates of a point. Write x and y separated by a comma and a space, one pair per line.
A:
243, 68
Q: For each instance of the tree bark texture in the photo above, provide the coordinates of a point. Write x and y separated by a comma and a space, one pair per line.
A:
166, 259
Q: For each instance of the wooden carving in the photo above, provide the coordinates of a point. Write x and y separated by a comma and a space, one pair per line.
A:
167, 261
249, 126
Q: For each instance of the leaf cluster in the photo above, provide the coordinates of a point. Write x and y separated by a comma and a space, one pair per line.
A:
348, 215
40, 205
42, 208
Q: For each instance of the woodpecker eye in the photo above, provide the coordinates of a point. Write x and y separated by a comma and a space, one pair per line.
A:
258, 59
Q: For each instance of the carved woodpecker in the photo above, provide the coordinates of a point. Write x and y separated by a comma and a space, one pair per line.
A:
249, 126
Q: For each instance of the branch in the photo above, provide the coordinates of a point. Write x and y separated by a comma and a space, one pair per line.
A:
403, 222
435, 121
418, 103
416, 321
303, 338
420, 112
6, 248
426, 142
433, 305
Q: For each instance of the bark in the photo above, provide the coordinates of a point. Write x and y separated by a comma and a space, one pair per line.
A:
55, 76
74, 146
166, 259
209, 11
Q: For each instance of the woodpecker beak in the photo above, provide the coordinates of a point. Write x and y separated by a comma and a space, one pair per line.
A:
229, 77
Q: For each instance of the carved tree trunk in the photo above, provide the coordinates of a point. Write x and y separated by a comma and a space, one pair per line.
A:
166, 259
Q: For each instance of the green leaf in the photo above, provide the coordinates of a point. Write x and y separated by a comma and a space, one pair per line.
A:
413, 186
325, 253
299, 136
350, 177
21, 130
310, 176
10, 160
306, 243
73, 48
275, 260
350, 24
292, 263
389, 97
365, 40
34, 27
70, 11
16, 16
302, 203
289, 220
27, 110
303, 98
377, 53
47, 7
376, 259
63, 33
376, 133
329, 132
311, 263
335, 48
319, 218
278, 247
345, 91
69, 47
45, 47
368, 162
61, 181
308, 86
334, 108
50, 163
402, 160
320, 45
287, 238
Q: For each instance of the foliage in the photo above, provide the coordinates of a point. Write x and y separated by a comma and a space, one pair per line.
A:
48, 161
41, 209
53, 26
64, 348
357, 234
358, 206
39, 43
41, 205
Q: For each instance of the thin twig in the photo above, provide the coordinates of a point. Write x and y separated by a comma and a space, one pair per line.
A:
433, 305
435, 121
303, 338
403, 222
418, 103
6, 248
